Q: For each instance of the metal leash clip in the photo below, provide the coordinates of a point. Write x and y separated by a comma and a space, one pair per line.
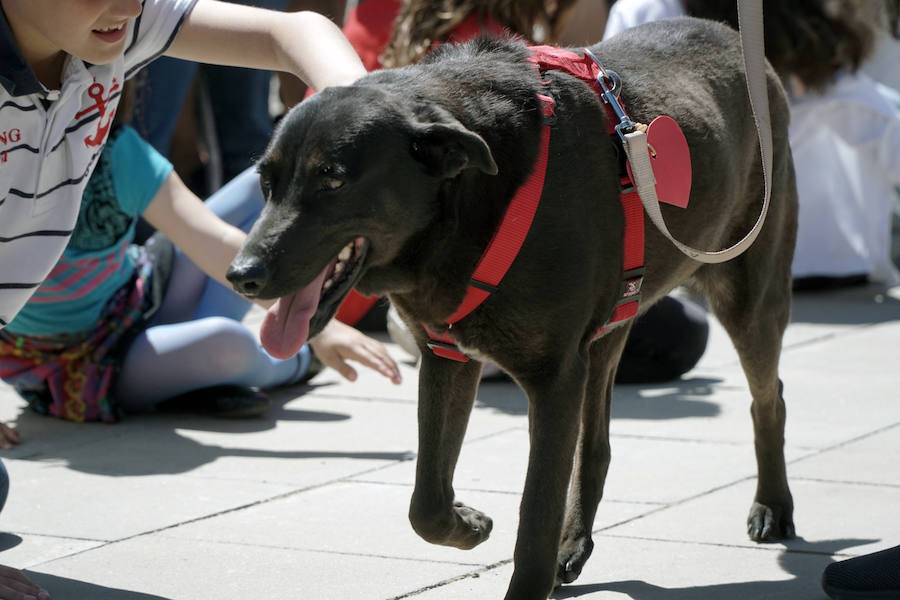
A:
611, 86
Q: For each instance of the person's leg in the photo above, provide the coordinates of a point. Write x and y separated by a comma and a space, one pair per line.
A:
164, 87
160, 97
240, 103
240, 108
665, 342
239, 203
196, 339
169, 360
4, 485
191, 294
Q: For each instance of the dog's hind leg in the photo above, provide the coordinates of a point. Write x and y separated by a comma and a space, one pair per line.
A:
592, 457
755, 313
446, 394
555, 397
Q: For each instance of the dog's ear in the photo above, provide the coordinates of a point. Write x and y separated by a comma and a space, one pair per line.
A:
447, 149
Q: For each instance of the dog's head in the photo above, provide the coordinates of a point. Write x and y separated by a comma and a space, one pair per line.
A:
350, 176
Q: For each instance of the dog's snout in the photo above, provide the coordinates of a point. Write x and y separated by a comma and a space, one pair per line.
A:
248, 277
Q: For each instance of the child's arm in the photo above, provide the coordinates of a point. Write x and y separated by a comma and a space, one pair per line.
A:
304, 43
207, 240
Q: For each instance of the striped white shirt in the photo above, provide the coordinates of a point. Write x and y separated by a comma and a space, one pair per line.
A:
50, 141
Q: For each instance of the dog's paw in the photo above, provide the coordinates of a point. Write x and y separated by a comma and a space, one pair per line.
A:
472, 527
770, 523
573, 554
457, 525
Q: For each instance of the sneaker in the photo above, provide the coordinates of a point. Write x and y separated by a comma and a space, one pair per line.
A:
224, 401
875, 575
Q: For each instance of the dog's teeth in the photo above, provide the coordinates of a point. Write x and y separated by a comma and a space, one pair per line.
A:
338, 267
328, 284
346, 253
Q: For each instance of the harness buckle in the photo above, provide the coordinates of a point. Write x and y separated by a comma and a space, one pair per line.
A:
632, 280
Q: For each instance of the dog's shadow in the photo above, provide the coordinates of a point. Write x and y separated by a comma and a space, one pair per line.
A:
802, 559
671, 400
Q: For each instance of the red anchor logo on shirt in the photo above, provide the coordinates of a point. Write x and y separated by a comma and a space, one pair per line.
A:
95, 91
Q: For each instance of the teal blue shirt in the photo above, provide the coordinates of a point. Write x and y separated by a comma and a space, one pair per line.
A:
99, 258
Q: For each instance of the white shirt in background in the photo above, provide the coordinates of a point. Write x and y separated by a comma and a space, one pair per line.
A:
846, 146
628, 13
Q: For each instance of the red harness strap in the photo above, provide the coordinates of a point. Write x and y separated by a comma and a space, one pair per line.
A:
504, 246
510, 235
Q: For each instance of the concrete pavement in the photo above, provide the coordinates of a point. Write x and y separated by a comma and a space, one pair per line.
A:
310, 503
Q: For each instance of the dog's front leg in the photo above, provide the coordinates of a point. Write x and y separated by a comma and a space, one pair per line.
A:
555, 400
592, 456
446, 394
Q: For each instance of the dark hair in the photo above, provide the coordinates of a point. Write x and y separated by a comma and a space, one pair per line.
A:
809, 39
422, 23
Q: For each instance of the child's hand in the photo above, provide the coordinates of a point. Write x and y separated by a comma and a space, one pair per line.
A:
9, 437
338, 343
15, 586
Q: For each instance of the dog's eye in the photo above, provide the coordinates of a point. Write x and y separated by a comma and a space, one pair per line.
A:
331, 177
331, 183
265, 185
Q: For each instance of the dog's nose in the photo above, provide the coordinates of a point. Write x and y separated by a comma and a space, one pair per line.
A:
248, 277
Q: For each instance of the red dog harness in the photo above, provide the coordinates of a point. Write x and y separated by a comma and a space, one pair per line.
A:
510, 235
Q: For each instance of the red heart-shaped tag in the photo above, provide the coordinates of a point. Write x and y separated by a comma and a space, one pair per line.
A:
671, 161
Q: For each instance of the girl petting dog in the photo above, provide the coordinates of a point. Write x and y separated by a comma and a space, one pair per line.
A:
63, 65
87, 346
118, 328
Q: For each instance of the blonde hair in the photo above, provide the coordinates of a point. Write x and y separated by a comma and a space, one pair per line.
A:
421, 23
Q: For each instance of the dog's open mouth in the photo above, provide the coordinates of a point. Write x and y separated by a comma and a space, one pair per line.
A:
294, 319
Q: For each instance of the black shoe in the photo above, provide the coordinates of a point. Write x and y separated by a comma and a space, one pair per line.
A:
825, 283
875, 575
224, 401
315, 367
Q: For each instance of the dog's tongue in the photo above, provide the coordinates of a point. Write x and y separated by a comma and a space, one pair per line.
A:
286, 325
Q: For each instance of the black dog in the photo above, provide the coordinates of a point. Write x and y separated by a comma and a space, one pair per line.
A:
405, 176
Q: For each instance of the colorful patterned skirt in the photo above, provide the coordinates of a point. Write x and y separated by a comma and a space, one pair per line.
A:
72, 376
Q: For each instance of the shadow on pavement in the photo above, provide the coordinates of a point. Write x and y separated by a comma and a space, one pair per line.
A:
9, 540
62, 588
804, 560
850, 306
157, 436
672, 400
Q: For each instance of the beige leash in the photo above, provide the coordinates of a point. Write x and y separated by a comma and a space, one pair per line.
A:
635, 142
